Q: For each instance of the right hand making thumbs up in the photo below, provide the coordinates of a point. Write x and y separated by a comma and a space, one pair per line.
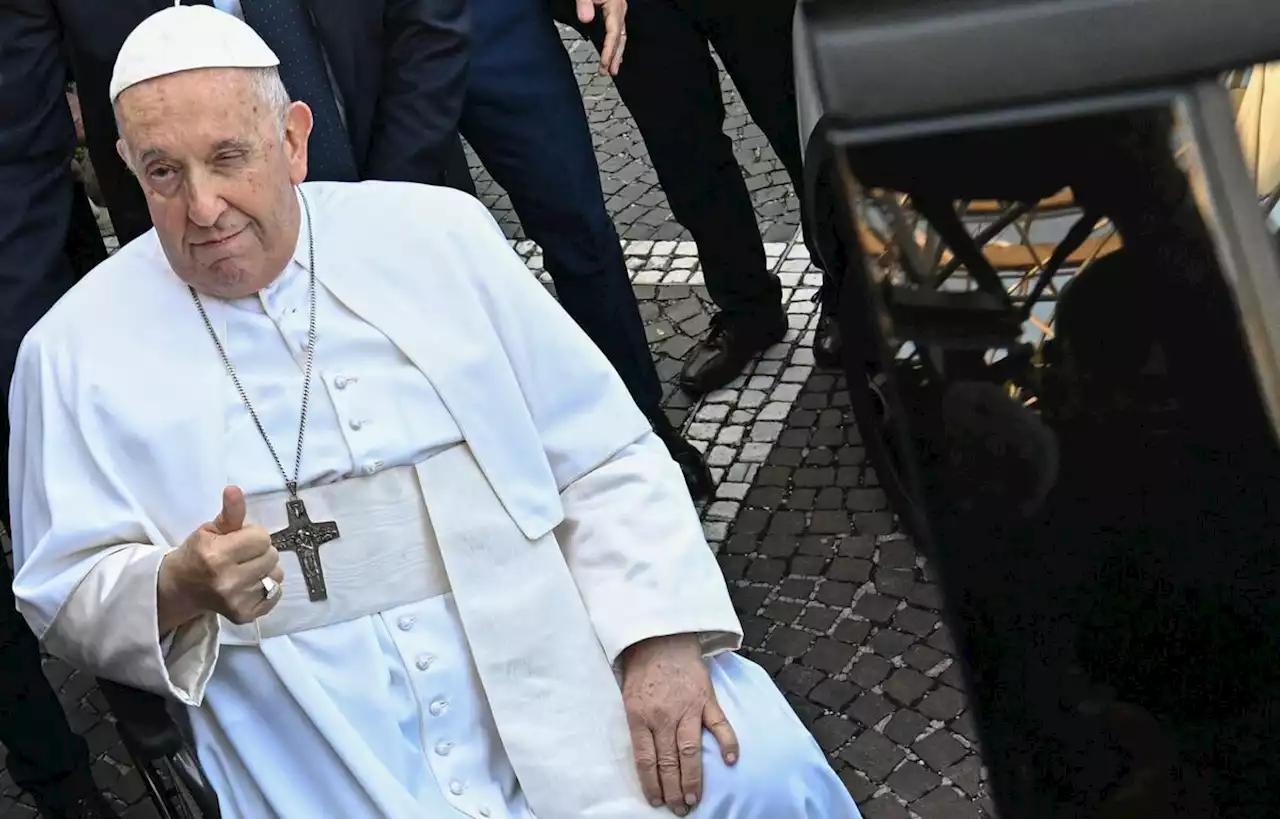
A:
220, 568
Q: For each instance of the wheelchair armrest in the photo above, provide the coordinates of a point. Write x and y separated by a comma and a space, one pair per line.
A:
143, 721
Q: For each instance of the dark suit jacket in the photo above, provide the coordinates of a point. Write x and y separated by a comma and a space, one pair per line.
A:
401, 66
36, 145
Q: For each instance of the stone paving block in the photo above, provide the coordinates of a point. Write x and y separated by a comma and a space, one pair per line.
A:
834, 695
789, 641
916, 621
876, 608
884, 807
799, 679
940, 750
907, 686
850, 570
895, 583
853, 632
857, 546
819, 618
944, 703
831, 656
869, 500
912, 780
922, 658
945, 803
837, 593
832, 732
870, 670
890, 643
873, 754
905, 727
967, 774
860, 788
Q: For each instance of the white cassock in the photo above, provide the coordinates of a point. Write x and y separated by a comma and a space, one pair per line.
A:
509, 524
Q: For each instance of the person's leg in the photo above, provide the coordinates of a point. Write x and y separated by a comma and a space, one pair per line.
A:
671, 86
45, 757
524, 117
755, 46
758, 52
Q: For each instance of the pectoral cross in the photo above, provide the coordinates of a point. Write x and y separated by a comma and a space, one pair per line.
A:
304, 538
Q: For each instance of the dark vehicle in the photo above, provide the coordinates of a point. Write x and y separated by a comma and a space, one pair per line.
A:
1058, 288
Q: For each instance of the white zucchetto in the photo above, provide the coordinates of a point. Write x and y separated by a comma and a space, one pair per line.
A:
184, 38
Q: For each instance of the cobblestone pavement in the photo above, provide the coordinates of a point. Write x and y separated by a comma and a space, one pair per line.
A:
842, 610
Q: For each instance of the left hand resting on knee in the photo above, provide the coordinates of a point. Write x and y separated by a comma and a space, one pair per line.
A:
667, 690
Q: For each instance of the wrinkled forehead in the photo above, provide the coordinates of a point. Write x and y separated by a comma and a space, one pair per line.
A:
200, 99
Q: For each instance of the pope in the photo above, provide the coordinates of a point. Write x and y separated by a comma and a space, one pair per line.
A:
326, 466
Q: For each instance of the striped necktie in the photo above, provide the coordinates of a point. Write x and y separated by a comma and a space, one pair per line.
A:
286, 26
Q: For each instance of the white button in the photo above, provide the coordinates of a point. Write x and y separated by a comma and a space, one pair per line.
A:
443, 748
484, 811
355, 423
342, 381
425, 661
439, 707
456, 788
405, 623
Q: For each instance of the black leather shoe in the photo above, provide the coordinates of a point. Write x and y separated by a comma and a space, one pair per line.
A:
696, 475
727, 350
826, 342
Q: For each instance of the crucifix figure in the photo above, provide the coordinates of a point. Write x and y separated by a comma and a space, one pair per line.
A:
304, 538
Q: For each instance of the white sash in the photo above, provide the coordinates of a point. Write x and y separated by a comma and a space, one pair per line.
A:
386, 554
554, 695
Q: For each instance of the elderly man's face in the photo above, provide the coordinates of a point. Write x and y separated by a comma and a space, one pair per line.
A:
218, 175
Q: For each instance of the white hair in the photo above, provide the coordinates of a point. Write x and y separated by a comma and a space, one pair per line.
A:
267, 87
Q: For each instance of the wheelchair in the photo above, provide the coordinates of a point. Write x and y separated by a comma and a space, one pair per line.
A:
161, 752
1060, 314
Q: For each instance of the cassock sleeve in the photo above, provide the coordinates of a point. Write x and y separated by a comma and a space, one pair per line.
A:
87, 562
637, 553
630, 534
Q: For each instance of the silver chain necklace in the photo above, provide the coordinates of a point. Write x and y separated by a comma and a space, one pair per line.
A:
301, 536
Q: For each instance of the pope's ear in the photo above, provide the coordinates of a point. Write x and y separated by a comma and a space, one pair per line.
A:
297, 130
123, 150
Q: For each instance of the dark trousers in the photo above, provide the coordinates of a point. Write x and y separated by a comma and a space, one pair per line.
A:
671, 85
46, 758
524, 117
45, 755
